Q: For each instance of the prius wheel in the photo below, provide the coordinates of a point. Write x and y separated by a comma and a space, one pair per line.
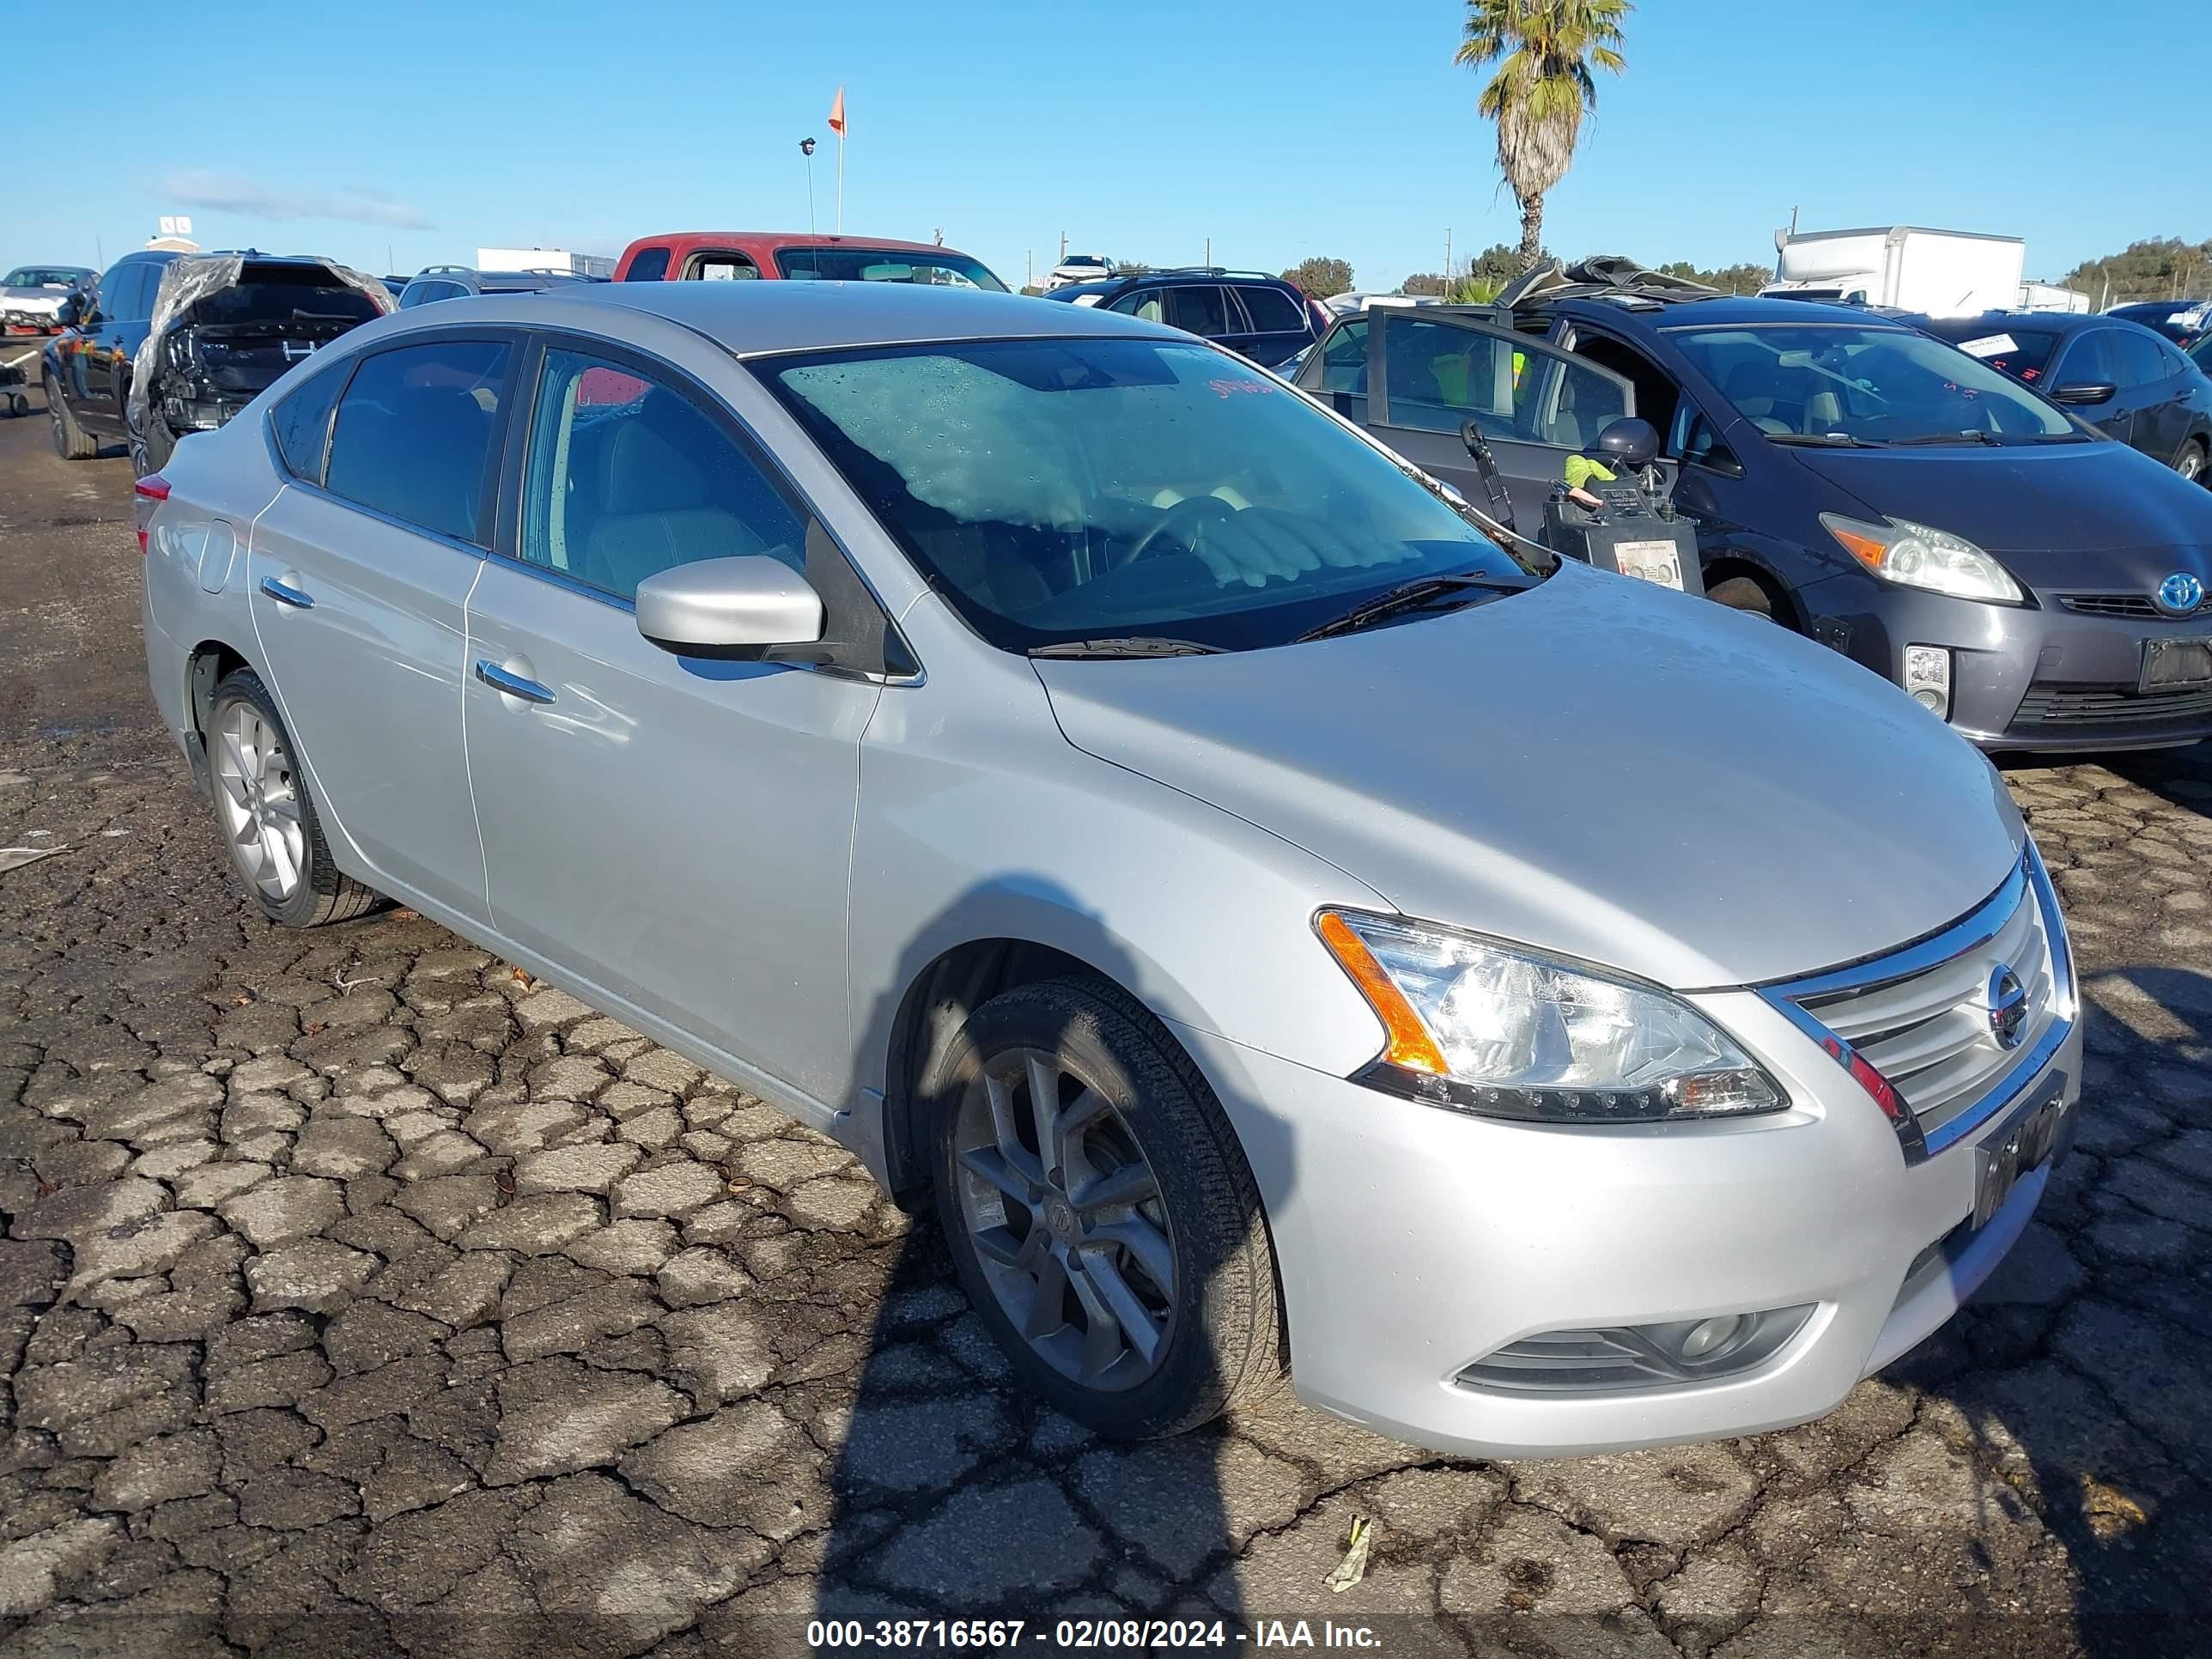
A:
269, 824
2190, 463
1101, 1212
1745, 594
71, 441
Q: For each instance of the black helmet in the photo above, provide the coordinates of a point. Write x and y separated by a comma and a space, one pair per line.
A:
1629, 441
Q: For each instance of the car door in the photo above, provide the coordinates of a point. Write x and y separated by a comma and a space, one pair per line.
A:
1430, 371
359, 573
675, 831
98, 362
2091, 359
1277, 327
2161, 416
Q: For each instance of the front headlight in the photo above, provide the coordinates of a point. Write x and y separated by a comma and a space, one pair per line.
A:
1918, 556
1506, 1033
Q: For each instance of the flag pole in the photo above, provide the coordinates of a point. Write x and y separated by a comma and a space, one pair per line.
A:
840, 178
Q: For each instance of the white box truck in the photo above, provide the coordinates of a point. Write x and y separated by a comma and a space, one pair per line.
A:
1943, 273
545, 258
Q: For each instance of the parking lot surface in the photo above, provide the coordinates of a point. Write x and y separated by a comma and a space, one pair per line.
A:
360, 1296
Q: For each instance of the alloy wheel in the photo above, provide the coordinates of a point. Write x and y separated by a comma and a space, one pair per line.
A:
1066, 1219
54, 413
259, 798
2190, 464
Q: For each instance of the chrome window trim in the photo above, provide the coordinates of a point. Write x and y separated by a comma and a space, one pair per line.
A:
1977, 928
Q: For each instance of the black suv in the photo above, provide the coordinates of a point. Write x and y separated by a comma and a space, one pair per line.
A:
459, 282
1252, 313
2025, 578
246, 318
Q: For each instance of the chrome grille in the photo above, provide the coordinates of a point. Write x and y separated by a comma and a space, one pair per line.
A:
1922, 1016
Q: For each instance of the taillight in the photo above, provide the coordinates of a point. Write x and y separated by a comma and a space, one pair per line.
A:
149, 492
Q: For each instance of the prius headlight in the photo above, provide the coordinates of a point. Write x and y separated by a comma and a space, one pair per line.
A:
1482, 1028
1920, 556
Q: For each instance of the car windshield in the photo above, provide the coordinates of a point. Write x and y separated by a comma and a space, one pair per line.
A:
1847, 383
42, 277
940, 268
1064, 491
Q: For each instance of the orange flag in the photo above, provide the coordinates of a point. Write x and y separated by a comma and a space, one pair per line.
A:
837, 113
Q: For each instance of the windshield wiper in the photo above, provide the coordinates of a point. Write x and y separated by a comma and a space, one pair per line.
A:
1125, 645
1825, 440
1989, 438
1407, 596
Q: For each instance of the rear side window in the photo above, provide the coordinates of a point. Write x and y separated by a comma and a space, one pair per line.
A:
651, 265
301, 423
414, 433
1201, 310
722, 266
2138, 357
1272, 311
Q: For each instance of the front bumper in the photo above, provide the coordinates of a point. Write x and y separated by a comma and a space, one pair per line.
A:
1413, 1241
2023, 677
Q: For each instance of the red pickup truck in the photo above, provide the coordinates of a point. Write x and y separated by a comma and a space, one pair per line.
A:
744, 255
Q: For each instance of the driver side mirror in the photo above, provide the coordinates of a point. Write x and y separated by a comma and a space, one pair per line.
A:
2084, 391
73, 311
746, 608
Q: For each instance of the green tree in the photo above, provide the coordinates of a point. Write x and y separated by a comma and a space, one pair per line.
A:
1729, 279
2158, 268
1320, 276
1545, 51
1132, 268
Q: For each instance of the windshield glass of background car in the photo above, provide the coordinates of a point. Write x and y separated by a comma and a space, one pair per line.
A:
1066, 489
860, 265
1876, 385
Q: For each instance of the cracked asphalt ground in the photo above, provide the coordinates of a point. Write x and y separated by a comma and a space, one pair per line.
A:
359, 1297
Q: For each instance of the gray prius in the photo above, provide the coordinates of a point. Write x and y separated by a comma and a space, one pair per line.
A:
1285, 936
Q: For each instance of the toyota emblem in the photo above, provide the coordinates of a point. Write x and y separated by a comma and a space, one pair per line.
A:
2180, 593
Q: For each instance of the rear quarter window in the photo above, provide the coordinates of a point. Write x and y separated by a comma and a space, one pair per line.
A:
651, 265
301, 423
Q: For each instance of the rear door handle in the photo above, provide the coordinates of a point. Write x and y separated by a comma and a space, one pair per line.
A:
285, 593
513, 684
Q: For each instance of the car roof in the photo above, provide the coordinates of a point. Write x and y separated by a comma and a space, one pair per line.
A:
750, 317
1722, 311
783, 239
2058, 322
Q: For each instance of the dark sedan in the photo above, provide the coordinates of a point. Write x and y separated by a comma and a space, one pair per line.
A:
2118, 375
2182, 321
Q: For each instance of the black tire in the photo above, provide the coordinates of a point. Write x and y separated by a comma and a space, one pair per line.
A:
71, 441
1743, 593
150, 452
1224, 1343
2190, 463
324, 893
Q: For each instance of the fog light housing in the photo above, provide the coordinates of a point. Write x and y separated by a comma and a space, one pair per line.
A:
1928, 679
1616, 1358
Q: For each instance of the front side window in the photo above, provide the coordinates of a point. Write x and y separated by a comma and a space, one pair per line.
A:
2089, 360
414, 433
1064, 491
936, 268
1442, 375
1845, 383
301, 422
1149, 304
1271, 310
628, 477
651, 265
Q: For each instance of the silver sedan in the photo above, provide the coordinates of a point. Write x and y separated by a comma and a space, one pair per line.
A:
1287, 934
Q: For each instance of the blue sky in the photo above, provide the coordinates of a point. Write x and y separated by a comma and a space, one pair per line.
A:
1139, 127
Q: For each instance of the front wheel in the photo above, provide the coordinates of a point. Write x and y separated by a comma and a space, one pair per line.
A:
1100, 1212
1742, 593
268, 818
151, 449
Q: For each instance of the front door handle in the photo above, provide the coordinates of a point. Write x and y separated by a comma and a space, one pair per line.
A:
285, 593
513, 684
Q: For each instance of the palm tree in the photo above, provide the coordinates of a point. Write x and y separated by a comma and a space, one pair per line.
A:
1544, 51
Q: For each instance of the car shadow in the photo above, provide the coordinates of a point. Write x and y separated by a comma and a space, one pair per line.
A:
2079, 1380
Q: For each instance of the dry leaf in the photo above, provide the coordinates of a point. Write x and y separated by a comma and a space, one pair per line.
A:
2110, 1511
522, 975
318, 1028
403, 913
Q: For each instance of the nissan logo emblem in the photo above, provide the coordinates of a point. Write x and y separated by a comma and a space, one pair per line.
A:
2007, 1008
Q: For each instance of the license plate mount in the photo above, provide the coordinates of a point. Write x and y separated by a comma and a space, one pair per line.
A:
2023, 1145
2175, 665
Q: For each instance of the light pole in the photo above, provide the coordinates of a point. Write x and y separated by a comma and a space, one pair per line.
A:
807, 149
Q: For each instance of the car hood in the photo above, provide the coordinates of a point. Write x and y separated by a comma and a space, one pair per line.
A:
1595, 767
44, 295
2071, 515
